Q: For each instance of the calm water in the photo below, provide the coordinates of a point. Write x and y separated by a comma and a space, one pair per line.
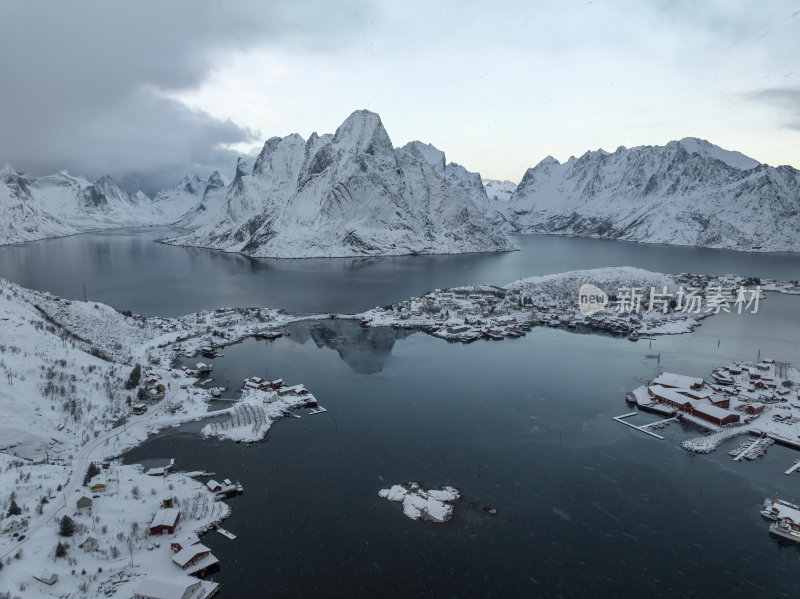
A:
588, 507
127, 270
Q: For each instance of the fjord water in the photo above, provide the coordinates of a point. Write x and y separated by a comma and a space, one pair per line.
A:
587, 507
127, 270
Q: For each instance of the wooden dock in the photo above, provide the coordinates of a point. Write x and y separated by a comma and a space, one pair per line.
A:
638, 428
742, 453
793, 468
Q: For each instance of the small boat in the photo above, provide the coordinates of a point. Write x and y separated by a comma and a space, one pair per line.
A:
203, 368
317, 410
634, 336
774, 509
208, 352
216, 391
226, 533
785, 529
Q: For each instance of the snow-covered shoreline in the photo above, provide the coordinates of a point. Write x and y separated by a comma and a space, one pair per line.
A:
65, 366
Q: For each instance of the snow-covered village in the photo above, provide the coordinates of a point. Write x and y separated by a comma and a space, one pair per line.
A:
371, 299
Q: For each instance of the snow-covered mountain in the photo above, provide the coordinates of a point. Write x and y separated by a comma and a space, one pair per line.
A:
499, 191
24, 219
63, 204
688, 192
347, 194
175, 202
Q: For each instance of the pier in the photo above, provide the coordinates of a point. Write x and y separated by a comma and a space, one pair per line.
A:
638, 428
742, 453
659, 423
793, 468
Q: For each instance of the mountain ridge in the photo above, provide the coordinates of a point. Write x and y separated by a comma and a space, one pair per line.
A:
660, 194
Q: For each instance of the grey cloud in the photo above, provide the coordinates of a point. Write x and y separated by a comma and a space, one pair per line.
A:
786, 99
81, 80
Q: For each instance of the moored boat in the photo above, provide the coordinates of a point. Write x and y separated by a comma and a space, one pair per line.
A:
775, 509
785, 529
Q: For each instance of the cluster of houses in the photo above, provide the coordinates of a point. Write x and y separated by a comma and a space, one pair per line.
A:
693, 396
485, 311
190, 559
760, 398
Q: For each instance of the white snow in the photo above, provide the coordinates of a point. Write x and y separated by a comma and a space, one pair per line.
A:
435, 505
729, 157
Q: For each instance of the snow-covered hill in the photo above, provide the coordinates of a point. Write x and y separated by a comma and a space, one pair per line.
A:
64, 204
347, 194
687, 192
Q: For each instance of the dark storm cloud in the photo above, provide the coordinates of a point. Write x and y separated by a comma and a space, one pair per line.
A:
787, 99
81, 81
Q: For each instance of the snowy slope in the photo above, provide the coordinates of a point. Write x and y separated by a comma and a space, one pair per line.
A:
24, 219
348, 194
729, 157
173, 203
499, 191
661, 194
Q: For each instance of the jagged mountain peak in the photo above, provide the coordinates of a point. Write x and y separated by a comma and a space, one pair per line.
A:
216, 180
276, 146
363, 131
244, 166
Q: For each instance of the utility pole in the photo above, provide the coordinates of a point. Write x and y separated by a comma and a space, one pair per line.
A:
84, 291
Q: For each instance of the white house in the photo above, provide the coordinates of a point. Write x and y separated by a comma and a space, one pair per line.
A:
169, 587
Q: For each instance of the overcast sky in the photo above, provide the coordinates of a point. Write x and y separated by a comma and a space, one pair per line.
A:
149, 91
